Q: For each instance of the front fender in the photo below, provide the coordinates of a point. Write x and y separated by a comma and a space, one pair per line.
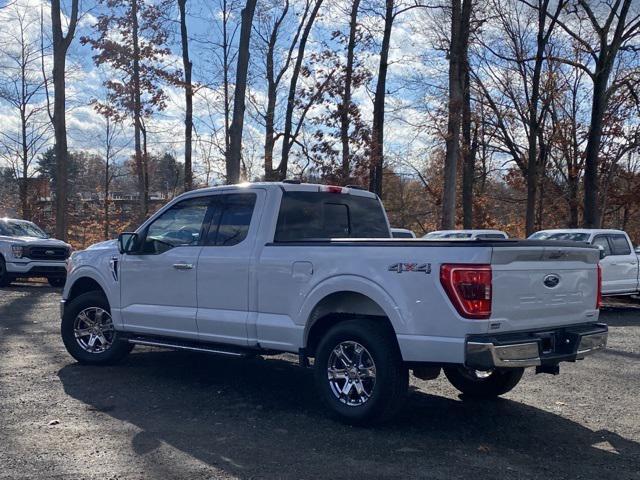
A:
99, 273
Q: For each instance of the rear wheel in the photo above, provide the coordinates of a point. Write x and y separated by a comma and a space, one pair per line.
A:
56, 281
483, 384
5, 278
359, 371
88, 332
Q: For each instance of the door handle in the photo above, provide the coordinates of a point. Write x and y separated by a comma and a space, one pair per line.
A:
183, 266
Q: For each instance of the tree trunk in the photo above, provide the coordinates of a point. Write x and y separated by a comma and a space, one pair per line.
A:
272, 92
188, 97
137, 115
377, 134
346, 97
107, 180
468, 155
235, 132
24, 200
598, 106
60, 46
287, 141
453, 123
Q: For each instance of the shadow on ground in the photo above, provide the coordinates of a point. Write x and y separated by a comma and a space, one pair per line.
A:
261, 419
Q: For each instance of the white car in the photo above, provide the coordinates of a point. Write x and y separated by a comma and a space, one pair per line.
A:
278, 267
470, 234
27, 251
402, 233
619, 261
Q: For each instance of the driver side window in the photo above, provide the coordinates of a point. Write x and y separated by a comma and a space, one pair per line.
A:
180, 226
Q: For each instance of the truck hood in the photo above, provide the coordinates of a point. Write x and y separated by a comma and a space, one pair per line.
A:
107, 245
45, 242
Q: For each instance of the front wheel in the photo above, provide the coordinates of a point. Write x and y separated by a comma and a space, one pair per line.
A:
359, 371
88, 332
5, 278
57, 281
483, 384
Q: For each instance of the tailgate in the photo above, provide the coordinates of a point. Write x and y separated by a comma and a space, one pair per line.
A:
538, 287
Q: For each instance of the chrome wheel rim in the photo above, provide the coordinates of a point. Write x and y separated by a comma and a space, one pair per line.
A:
476, 375
351, 372
93, 330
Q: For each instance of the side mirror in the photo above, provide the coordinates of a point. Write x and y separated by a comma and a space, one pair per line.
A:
128, 242
602, 252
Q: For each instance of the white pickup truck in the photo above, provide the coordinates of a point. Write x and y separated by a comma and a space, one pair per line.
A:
280, 267
27, 251
619, 262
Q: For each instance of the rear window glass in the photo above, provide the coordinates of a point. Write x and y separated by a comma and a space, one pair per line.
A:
571, 236
321, 215
491, 235
619, 245
401, 235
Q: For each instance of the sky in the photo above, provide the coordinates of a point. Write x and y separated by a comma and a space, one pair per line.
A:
407, 109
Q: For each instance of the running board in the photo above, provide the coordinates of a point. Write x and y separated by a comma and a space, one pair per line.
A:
192, 347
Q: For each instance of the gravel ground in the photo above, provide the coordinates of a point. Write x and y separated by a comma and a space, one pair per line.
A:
163, 414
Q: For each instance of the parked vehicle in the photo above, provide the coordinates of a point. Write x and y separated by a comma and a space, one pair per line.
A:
277, 267
27, 251
469, 234
619, 261
402, 233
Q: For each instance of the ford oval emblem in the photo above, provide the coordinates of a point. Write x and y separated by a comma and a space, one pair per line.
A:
552, 280
50, 252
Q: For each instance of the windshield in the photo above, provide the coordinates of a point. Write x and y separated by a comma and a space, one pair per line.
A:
10, 228
571, 236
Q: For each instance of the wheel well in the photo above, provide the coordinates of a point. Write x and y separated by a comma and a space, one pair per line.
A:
84, 285
338, 307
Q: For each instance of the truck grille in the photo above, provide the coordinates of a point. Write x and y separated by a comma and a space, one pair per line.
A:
46, 253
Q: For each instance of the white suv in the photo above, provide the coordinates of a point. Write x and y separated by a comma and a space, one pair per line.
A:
27, 251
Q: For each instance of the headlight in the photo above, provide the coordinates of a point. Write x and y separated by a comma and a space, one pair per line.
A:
17, 251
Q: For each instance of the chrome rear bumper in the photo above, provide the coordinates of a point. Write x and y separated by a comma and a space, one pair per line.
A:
532, 349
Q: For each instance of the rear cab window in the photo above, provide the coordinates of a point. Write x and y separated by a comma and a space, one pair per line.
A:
322, 215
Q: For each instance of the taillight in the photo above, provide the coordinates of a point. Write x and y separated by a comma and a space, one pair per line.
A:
331, 189
468, 288
599, 294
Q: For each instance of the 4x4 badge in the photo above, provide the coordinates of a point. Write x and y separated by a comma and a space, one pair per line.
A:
410, 267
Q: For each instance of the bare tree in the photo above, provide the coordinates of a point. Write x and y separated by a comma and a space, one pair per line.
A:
345, 107
391, 11
457, 49
515, 69
234, 154
269, 32
188, 97
22, 90
61, 44
615, 28
289, 135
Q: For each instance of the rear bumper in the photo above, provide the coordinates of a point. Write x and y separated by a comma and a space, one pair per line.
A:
537, 348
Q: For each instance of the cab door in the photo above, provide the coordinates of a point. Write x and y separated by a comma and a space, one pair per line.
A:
158, 287
625, 261
607, 264
225, 267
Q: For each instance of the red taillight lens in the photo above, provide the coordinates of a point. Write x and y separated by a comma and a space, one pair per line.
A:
599, 294
468, 288
331, 189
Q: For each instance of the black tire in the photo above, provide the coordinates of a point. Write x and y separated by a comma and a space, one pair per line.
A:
56, 282
497, 383
389, 391
118, 348
5, 278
